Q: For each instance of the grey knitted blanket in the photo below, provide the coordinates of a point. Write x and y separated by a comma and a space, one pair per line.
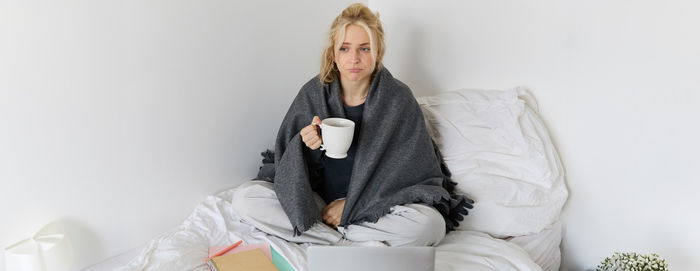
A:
396, 161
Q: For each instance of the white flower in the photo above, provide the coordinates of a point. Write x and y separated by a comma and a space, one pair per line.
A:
632, 262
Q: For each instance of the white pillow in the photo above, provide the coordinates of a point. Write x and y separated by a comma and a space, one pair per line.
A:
500, 154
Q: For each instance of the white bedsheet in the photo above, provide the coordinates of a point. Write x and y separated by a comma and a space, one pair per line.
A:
213, 223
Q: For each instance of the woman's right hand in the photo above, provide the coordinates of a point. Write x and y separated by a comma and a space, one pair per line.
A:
310, 135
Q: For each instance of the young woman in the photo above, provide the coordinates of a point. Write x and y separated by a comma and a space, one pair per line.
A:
391, 189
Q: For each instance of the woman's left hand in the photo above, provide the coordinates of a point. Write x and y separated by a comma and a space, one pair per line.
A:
333, 212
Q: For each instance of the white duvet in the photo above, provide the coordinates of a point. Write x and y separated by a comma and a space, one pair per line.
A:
500, 154
213, 223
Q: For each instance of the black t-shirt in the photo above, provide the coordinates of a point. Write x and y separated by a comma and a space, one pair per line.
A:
335, 173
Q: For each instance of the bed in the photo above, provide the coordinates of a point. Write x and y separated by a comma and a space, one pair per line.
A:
500, 154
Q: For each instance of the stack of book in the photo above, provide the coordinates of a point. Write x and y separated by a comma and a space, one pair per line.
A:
246, 257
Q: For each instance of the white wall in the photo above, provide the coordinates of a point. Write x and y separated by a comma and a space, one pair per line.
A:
118, 117
618, 85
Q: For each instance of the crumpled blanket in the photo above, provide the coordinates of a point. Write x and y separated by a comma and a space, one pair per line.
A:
396, 161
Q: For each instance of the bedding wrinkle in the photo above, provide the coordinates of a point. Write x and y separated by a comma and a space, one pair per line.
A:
436, 113
515, 180
478, 251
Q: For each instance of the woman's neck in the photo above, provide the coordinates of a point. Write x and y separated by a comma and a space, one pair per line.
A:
354, 93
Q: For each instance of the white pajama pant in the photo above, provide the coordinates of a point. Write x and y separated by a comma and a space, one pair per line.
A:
406, 225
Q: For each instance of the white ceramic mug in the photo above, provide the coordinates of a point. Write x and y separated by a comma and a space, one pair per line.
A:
337, 136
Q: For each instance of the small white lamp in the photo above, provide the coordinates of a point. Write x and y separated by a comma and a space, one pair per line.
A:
48, 250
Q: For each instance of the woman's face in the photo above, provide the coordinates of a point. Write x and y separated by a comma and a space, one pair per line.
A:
354, 58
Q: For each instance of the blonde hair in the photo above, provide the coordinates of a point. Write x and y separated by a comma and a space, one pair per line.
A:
357, 14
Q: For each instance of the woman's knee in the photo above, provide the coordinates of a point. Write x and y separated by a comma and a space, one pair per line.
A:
427, 226
250, 194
